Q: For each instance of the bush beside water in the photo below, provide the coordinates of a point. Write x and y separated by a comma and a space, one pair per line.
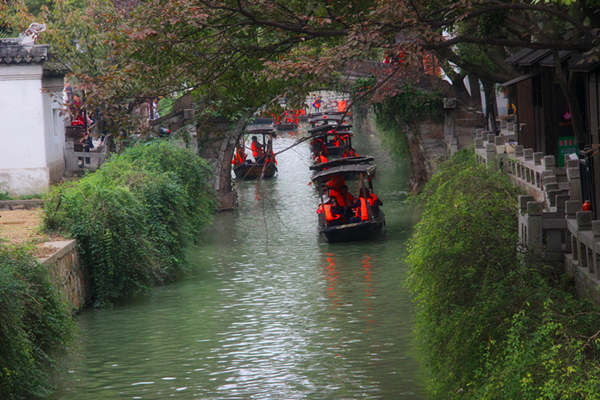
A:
134, 216
34, 323
491, 324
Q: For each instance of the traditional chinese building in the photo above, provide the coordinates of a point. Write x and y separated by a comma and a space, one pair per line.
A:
32, 128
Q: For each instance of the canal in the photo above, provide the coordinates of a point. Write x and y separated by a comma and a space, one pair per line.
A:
268, 311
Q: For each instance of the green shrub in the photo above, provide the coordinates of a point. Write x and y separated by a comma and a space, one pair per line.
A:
490, 323
410, 105
134, 216
34, 323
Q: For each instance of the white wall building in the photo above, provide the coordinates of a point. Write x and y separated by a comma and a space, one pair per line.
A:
32, 129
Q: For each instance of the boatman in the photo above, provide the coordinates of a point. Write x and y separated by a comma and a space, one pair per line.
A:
257, 149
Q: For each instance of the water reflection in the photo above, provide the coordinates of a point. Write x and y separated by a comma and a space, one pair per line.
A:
271, 311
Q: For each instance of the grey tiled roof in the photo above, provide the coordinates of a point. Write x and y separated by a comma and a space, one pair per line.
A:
12, 52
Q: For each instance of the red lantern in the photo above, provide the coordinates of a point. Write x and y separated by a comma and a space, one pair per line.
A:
587, 206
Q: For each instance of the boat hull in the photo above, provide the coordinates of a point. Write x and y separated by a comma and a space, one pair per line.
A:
354, 231
254, 171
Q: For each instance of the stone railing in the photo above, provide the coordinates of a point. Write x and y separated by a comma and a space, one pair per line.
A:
535, 173
552, 223
582, 258
76, 161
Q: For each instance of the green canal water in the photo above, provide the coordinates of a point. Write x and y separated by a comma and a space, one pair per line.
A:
269, 311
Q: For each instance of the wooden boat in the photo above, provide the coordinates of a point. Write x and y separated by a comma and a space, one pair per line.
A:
250, 170
263, 167
348, 230
324, 132
324, 118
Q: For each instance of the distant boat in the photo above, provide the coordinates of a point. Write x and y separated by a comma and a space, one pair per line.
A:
264, 166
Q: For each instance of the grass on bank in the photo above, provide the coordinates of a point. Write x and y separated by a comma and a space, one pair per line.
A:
34, 324
134, 216
492, 323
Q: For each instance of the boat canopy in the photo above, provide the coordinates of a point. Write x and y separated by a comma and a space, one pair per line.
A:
261, 121
260, 130
337, 129
348, 171
341, 161
325, 117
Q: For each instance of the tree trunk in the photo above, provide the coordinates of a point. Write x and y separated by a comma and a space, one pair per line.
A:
491, 112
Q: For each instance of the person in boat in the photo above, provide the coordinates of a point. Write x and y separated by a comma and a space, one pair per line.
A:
240, 155
343, 198
374, 202
257, 150
317, 103
337, 140
336, 182
321, 158
350, 153
360, 208
318, 144
333, 213
270, 156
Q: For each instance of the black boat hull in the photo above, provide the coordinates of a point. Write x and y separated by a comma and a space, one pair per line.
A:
254, 171
354, 231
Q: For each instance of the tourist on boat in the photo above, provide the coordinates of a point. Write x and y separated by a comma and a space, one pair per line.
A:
374, 202
321, 158
336, 182
350, 153
270, 156
257, 149
240, 155
337, 140
318, 144
332, 211
317, 103
343, 198
360, 208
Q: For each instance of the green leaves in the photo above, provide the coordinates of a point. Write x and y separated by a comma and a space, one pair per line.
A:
133, 218
34, 323
491, 323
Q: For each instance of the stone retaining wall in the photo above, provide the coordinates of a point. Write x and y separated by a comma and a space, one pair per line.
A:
552, 223
20, 204
67, 274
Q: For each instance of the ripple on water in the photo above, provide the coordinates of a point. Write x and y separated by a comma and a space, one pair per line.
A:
274, 313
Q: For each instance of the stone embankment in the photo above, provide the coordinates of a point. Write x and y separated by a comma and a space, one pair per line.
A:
552, 223
429, 141
20, 222
67, 274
